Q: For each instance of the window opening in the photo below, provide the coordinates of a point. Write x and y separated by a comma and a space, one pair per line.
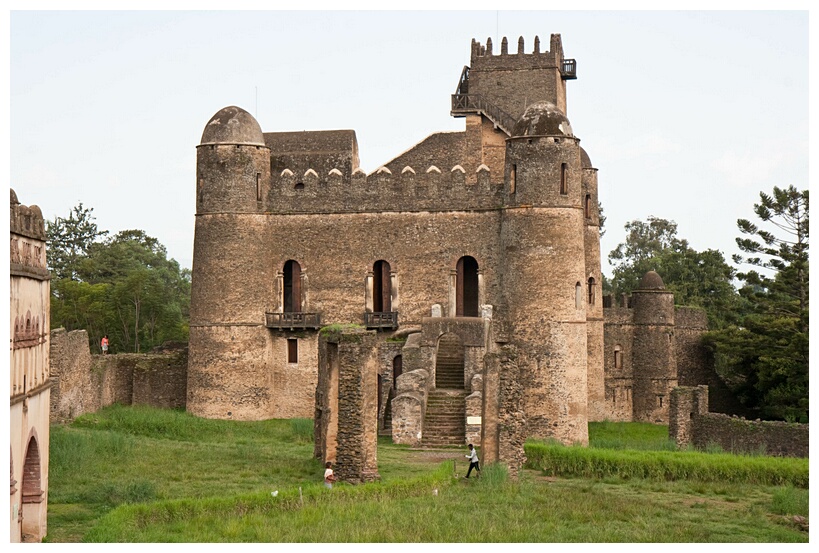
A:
513, 179
292, 350
563, 184
258, 187
591, 291
578, 296
299, 186
588, 206
618, 357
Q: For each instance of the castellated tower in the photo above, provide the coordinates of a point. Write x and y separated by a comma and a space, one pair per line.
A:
543, 247
655, 362
226, 372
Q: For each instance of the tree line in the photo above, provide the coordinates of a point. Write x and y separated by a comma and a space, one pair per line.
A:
757, 310
123, 286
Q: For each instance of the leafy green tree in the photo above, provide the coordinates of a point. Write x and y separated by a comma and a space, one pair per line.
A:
123, 286
69, 239
765, 355
698, 279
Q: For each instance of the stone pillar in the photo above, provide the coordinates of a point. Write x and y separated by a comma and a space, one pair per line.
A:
686, 403
347, 399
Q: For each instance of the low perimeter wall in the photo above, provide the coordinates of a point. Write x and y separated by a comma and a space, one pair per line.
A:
84, 383
691, 423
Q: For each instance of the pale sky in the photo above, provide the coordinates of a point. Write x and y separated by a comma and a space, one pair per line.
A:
688, 115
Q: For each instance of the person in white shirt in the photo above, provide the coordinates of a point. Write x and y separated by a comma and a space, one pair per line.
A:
473, 461
329, 477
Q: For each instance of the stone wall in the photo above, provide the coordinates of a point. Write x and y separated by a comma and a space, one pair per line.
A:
694, 425
348, 371
85, 383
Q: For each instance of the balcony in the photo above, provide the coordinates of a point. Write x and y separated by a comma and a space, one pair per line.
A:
569, 70
293, 321
388, 319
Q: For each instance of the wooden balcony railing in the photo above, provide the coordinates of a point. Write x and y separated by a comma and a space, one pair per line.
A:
569, 70
388, 319
292, 321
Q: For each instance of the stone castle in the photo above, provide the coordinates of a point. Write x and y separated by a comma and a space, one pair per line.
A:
473, 258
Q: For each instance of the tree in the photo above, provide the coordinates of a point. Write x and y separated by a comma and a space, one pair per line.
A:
765, 355
698, 279
68, 240
124, 286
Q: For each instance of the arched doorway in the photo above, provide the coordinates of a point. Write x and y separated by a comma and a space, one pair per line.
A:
449, 362
466, 291
292, 287
32, 500
382, 292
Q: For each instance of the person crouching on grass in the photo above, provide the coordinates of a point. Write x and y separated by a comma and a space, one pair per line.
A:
473, 461
329, 477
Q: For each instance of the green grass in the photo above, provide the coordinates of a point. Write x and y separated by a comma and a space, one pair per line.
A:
148, 475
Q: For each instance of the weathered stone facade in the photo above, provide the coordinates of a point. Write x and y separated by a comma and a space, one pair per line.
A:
691, 423
651, 346
30, 381
85, 383
467, 243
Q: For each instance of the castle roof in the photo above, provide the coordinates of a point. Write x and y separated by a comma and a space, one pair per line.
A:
542, 119
232, 125
651, 281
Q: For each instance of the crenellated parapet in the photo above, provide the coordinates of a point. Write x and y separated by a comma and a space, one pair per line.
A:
412, 189
483, 54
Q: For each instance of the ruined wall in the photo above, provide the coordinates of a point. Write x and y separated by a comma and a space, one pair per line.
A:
349, 370
691, 423
85, 383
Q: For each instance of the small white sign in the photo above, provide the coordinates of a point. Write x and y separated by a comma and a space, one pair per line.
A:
473, 420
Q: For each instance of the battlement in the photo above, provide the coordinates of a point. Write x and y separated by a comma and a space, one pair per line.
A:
412, 189
484, 53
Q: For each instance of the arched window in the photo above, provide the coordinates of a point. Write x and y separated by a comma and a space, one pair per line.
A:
292, 287
578, 296
466, 288
382, 289
587, 206
591, 291
564, 186
618, 357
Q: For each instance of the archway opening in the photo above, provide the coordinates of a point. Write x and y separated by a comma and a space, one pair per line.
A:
466, 302
382, 291
292, 287
449, 362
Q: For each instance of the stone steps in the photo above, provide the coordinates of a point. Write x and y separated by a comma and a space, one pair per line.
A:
444, 422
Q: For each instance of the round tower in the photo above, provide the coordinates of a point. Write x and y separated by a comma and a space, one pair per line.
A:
593, 290
654, 354
230, 280
544, 271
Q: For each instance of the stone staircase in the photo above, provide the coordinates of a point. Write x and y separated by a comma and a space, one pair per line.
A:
445, 420
449, 364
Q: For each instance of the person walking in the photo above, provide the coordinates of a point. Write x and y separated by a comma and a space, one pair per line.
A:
104, 344
329, 476
473, 461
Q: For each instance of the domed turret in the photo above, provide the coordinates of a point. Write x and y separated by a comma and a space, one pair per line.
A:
232, 125
585, 160
542, 119
651, 281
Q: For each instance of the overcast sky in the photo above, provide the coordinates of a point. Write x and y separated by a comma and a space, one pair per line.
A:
688, 115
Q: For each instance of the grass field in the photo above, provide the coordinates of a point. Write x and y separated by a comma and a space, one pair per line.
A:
148, 475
